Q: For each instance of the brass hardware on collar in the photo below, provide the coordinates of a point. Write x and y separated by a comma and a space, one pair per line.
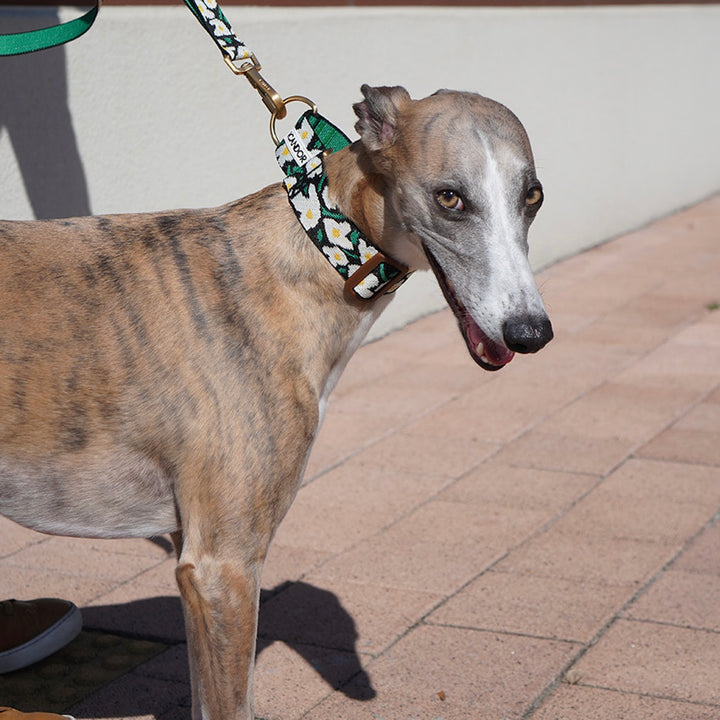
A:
251, 70
277, 116
367, 267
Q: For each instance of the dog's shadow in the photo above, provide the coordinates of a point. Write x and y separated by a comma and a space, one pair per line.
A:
309, 620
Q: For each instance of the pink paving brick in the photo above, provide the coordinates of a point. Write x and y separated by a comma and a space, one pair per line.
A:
84, 558
653, 659
290, 680
679, 598
649, 519
695, 438
703, 555
680, 445
285, 563
598, 560
348, 616
613, 332
538, 606
27, 583
354, 502
519, 487
436, 549
566, 453
672, 366
414, 450
14, 537
627, 411
639, 479
576, 702
495, 412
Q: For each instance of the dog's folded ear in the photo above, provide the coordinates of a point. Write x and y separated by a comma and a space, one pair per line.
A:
378, 113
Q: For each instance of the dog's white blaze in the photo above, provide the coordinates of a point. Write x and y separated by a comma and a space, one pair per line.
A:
511, 288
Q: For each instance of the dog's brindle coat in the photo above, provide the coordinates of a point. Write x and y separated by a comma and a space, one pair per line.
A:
167, 372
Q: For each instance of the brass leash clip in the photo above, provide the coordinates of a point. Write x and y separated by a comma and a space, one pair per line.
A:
270, 97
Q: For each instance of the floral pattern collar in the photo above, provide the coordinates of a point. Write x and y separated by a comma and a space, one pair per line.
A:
367, 272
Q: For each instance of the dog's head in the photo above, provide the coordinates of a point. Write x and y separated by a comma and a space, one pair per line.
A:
460, 193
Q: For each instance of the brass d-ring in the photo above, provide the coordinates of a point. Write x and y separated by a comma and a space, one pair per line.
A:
274, 117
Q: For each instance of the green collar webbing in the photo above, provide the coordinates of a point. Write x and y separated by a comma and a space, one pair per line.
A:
44, 38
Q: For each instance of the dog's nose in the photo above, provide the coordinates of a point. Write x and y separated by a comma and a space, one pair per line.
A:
526, 334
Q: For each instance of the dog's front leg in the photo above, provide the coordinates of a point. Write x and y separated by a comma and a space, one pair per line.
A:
227, 525
220, 600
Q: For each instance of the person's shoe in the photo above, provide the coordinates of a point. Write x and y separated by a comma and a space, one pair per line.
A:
7, 713
32, 630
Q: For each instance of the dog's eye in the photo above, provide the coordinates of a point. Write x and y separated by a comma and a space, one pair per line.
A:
534, 197
450, 200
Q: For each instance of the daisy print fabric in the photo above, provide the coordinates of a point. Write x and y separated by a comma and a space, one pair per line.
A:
340, 240
213, 19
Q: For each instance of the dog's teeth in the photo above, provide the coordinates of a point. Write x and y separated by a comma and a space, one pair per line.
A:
480, 351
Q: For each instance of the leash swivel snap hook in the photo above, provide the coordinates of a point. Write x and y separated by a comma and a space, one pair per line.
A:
270, 97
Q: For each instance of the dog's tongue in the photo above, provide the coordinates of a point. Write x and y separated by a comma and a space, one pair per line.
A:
491, 353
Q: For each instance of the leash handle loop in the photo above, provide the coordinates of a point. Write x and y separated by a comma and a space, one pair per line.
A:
44, 38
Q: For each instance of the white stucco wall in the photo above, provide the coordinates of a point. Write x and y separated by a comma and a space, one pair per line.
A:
621, 105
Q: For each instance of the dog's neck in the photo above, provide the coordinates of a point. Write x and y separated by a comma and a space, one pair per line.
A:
357, 190
360, 196
363, 195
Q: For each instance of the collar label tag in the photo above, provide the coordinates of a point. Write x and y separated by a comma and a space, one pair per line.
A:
297, 148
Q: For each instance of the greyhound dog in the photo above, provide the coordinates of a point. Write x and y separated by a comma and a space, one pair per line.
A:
167, 372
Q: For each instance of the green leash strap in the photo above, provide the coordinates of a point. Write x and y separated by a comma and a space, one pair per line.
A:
34, 40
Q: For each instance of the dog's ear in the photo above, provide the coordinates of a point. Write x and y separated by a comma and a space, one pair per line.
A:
378, 114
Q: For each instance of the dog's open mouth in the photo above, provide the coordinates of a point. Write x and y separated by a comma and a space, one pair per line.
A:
484, 351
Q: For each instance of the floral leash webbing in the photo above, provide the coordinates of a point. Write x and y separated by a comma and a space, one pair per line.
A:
366, 271
212, 18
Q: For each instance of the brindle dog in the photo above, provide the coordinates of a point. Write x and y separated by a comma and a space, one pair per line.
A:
167, 372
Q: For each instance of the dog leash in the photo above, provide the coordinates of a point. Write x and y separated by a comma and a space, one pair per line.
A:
44, 38
365, 270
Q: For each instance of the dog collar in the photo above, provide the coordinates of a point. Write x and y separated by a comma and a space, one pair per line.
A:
366, 270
